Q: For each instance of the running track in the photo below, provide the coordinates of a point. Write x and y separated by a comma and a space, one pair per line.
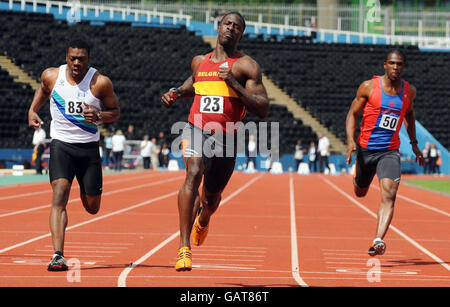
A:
271, 230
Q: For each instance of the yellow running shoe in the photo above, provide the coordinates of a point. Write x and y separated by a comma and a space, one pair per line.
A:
199, 232
184, 262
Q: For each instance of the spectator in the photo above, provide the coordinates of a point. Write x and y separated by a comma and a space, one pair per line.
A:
299, 154
312, 153
154, 155
108, 148
118, 146
130, 133
308, 23
161, 141
434, 155
323, 148
146, 151
38, 142
215, 16
439, 163
165, 155
273, 157
252, 150
426, 158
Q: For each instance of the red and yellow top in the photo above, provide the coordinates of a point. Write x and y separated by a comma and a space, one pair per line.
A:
215, 103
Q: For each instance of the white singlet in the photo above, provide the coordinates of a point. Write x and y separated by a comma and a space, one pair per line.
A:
66, 108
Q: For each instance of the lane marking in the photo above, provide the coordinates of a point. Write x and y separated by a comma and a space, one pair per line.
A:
122, 280
425, 189
224, 267
92, 220
245, 255
233, 247
76, 186
395, 229
71, 256
104, 194
223, 259
418, 203
294, 248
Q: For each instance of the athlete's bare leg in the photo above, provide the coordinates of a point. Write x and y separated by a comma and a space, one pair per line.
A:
195, 208
91, 202
360, 192
188, 196
210, 202
58, 214
388, 189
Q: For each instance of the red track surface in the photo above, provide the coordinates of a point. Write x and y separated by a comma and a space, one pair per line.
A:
250, 240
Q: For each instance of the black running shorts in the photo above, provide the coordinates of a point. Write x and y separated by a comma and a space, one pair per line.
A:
79, 159
386, 164
218, 156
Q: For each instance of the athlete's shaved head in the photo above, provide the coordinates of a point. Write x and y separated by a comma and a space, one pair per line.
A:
80, 44
238, 14
397, 52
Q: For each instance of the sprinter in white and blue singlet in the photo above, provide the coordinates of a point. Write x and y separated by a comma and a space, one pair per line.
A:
80, 99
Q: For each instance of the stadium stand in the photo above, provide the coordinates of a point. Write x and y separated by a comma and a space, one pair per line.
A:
15, 98
142, 62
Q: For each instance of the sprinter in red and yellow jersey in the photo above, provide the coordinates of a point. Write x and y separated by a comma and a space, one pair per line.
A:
225, 84
385, 101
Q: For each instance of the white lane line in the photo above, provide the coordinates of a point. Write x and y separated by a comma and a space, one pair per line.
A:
74, 186
355, 251
69, 246
224, 267
122, 280
228, 255
418, 203
46, 256
104, 194
227, 259
233, 247
200, 251
358, 255
68, 251
93, 220
96, 243
403, 235
294, 247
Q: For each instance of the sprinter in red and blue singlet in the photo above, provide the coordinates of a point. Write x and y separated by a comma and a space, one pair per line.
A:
383, 116
386, 101
225, 84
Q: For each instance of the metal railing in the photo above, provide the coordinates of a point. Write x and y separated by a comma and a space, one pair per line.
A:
426, 29
344, 17
75, 8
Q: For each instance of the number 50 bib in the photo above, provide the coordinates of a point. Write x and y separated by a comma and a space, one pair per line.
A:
388, 122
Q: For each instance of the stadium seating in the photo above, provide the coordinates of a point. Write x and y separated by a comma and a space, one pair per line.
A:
142, 62
14, 101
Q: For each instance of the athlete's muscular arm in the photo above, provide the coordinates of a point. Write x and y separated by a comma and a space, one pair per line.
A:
41, 96
186, 90
103, 89
253, 94
410, 125
362, 95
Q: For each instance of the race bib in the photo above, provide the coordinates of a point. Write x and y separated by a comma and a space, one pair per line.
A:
388, 122
74, 107
211, 104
